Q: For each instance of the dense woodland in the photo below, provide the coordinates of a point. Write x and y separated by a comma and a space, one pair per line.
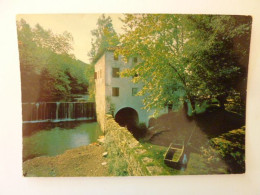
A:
189, 59
185, 59
49, 72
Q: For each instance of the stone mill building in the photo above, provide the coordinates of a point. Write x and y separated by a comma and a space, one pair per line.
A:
117, 95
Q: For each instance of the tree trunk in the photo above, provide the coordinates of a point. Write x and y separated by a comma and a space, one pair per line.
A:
222, 100
186, 108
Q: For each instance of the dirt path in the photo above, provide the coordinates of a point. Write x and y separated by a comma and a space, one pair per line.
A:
82, 161
176, 125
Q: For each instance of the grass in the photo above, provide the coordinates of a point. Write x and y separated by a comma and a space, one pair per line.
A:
177, 155
196, 164
128, 157
156, 153
117, 165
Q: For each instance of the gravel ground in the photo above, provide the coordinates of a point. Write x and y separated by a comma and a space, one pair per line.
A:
81, 161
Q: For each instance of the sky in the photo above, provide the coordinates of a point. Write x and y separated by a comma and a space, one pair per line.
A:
79, 25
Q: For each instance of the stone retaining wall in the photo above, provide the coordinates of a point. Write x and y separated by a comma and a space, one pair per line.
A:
119, 142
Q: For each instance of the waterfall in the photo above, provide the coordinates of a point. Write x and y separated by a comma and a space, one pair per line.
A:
57, 111
70, 110
37, 111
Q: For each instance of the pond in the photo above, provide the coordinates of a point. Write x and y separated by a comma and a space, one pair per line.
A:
50, 139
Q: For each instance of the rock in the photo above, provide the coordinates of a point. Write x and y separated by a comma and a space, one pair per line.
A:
104, 154
101, 139
147, 160
133, 144
150, 128
140, 151
104, 163
154, 170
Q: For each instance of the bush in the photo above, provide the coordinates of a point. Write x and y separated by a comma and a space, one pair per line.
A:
229, 147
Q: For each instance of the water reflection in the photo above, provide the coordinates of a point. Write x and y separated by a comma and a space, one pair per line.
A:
54, 139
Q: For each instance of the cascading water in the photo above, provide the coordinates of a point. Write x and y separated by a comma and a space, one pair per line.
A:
57, 111
37, 108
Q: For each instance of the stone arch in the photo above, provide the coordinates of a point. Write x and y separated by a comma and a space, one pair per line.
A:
127, 116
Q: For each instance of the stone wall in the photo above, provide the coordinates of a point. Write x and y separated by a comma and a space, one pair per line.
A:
119, 142
100, 96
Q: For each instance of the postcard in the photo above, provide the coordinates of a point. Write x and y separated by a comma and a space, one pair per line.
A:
133, 94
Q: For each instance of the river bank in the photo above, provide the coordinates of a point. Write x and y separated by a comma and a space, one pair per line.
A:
81, 161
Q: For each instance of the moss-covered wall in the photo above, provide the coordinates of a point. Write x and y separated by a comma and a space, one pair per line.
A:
126, 155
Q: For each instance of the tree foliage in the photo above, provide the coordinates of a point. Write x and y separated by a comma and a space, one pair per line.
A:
90, 71
49, 71
229, 147
104, 36
187, 58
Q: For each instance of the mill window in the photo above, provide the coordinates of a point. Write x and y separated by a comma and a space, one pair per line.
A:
115, 91
115, 72
134, 91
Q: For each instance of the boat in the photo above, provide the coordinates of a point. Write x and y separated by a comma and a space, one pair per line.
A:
174, 155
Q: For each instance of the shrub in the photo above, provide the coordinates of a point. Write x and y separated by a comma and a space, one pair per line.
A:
229, 147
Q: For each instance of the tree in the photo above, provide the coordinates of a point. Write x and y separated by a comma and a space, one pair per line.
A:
104, 37
90, 70
222, 51
185, 58
158, 40
45, 61
57, 43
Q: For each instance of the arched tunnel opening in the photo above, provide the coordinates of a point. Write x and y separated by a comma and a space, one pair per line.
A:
128, 117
